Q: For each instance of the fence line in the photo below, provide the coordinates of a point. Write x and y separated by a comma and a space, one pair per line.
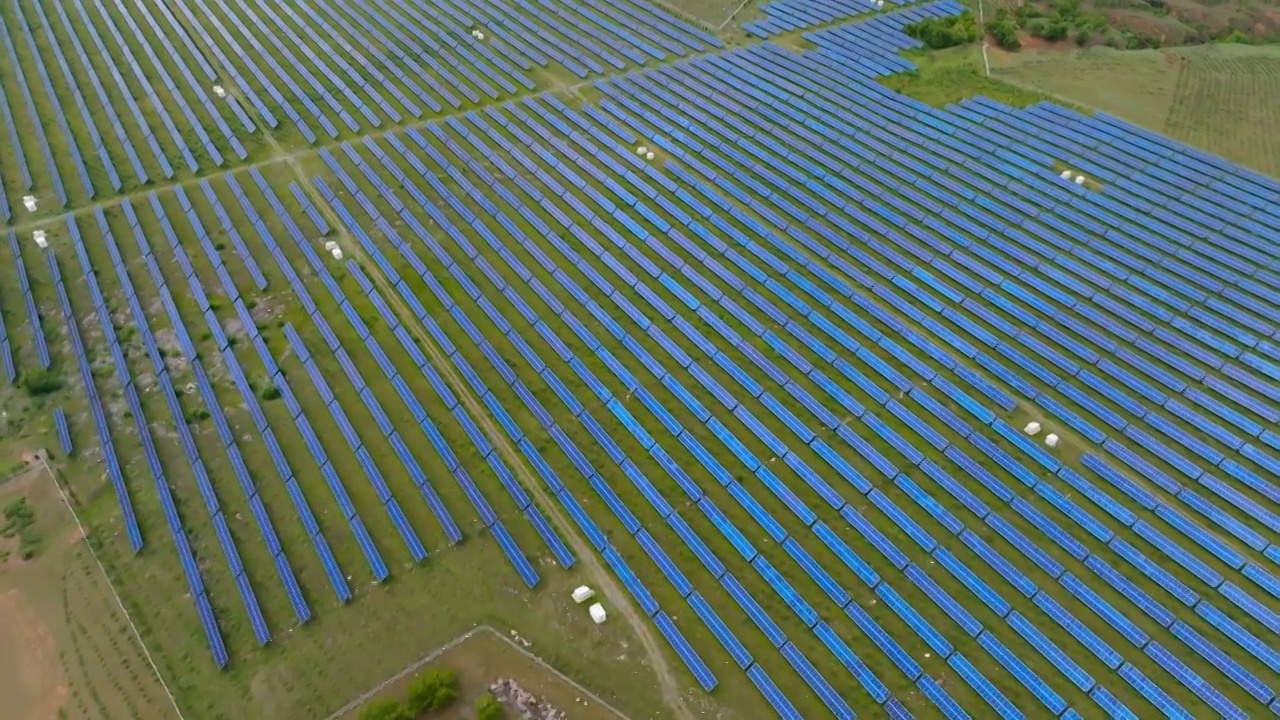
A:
84, 535
421, 662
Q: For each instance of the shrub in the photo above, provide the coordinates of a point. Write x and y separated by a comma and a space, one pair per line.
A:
939, 33
19, 515
270, 392
1083, 37
1048, 30
1028, 12
489, 707
42, 382
1066, 8
20, 520
1005, 33
435, 690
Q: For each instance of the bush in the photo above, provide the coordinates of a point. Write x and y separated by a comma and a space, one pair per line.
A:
42, 382
1049, 30
939, 33
20, 520
19, 515
435, 690
489, 707
1027, 12
1083, 37
385, 710
270, 392
1005, 33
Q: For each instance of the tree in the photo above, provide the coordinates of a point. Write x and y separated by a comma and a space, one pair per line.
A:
385, 710
1005, 33
945, 32
434, 690
489, 707
1050, 30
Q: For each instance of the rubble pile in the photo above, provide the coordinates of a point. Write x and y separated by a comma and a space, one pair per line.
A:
525, 703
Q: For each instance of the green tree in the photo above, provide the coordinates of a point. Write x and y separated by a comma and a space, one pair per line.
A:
1005, 33
945, 32
1052, 31
432, 691
489, 707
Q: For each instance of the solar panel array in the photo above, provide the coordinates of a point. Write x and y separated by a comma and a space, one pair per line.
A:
777, 373
128, 90
786, 16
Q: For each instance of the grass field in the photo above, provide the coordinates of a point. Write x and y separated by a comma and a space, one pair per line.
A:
546, 311
949, 76
1210, 96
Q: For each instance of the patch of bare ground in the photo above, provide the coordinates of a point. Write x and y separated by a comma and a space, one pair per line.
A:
32, 681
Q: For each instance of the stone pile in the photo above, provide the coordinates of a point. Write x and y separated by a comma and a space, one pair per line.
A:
522, 701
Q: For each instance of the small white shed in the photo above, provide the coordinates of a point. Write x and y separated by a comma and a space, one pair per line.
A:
597, 613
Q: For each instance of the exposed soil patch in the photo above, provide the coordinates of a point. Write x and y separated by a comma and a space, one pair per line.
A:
31, 678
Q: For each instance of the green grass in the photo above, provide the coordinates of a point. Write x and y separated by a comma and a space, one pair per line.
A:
947, 76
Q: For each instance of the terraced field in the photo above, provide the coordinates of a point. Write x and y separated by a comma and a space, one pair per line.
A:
477, 303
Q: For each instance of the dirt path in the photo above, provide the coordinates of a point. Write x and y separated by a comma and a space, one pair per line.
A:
612, 590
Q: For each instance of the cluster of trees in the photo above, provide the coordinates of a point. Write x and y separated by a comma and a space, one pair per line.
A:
1004, 30
430, 693
944, 32
1062, 20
